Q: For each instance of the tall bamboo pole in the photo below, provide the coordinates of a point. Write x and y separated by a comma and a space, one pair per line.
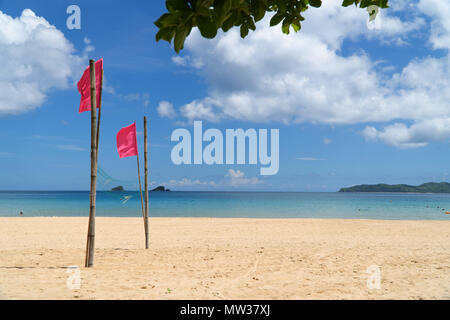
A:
91, 229
146, 183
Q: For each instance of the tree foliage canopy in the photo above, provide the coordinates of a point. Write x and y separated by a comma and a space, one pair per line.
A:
211, 15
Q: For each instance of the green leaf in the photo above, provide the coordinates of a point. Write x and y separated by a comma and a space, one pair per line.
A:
258, 9
244, 30
222, 9
315, 3
229, 23
206, 27
159, 23
181, 33
286, 24
238, 20
173, 5
347, 3
365, 3
251, 24
296, 25
276, 19
383, 4
281, 6
166, 34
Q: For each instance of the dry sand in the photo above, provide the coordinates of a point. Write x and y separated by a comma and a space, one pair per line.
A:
199, 258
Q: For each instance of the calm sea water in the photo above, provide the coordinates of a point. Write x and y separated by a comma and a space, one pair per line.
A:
231, 204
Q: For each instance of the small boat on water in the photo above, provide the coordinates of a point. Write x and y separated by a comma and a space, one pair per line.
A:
447, 212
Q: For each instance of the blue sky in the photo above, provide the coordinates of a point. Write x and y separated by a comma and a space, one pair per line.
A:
353, 104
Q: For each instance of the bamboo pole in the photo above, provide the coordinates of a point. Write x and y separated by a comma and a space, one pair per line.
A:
146, 183
91, 229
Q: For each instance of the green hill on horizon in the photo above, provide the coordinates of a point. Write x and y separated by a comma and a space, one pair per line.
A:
429, 187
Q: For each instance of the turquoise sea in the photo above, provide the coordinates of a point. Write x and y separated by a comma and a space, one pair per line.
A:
230, 204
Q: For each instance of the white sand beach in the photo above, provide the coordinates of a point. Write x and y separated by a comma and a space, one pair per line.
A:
202, 258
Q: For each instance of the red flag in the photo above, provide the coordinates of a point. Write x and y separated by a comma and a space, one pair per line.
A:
127, 142
84, 86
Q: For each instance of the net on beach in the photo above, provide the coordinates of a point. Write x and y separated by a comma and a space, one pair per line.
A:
106, 182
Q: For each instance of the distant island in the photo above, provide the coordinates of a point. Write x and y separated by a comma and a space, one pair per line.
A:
160, 189
430, 187
119, 188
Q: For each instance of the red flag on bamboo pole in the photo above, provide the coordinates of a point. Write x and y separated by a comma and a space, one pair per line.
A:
84, 87
127, 141
127, 147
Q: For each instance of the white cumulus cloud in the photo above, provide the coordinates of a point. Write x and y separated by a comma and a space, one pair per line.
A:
237, 178
304, 77
36, 57
417, 135
165, 109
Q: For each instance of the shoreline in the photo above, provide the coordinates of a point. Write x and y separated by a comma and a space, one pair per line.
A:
229, 218
225, 258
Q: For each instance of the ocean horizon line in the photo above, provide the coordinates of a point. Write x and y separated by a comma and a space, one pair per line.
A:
184, 191
171, 191
234, 191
